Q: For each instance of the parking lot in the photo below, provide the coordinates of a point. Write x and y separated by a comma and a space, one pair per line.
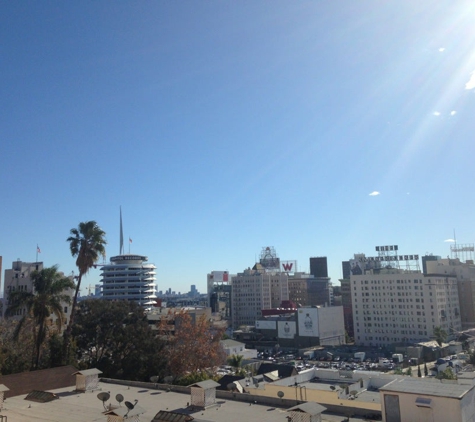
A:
329, 361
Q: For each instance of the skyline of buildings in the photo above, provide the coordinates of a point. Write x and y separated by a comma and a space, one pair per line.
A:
385, 298
295, 265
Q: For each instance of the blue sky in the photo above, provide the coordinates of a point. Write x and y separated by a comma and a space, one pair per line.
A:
225, 127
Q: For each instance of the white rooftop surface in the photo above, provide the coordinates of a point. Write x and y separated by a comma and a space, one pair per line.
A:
80, 407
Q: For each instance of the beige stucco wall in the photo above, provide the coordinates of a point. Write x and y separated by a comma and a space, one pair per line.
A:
443, 409
306, 394
468, 406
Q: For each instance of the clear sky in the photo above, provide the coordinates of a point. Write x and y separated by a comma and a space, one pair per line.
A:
321, 128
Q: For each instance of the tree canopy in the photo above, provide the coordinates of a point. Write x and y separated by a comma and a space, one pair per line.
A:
447, 374
115, 337
191, 346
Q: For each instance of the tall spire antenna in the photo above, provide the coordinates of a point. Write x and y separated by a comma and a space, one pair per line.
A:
455, 246
121, 234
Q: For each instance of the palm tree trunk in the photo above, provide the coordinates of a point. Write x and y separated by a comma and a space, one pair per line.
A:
35, 347
67, 333
39, 341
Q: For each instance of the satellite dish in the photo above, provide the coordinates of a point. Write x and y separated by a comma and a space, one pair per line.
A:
231, 386
130, 406
103, 397
154, 379
119, 398
280, 394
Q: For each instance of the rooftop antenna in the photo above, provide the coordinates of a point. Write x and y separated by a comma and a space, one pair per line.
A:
455, 246
121, 234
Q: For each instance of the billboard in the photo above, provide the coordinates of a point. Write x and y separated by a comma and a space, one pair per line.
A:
308, 322
331, 325
220, 276
288, 266
286, 329
359, 266
265, 325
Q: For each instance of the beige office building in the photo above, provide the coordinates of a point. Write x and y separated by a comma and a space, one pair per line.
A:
19, 278
464, 272
256, 289
394, 305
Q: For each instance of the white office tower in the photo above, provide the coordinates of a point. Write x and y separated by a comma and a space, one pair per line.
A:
129, 277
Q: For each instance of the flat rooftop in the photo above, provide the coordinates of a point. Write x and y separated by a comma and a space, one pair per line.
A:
365, 396
418, 386
79, 407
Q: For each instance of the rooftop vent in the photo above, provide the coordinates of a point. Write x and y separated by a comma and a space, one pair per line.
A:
41, 396
423, 402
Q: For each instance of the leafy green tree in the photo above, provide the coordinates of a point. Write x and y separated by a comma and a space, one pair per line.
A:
409, 371
15, 355
447, 374
115, 337
195, 377
440, 335
87, 245
54, 353
47, 298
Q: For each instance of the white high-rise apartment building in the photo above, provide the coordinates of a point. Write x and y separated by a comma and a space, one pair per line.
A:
254, 290
129, 277
395, 305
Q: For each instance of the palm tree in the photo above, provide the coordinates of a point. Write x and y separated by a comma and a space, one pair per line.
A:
46, 299
87, 244
440, 335
235, 361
